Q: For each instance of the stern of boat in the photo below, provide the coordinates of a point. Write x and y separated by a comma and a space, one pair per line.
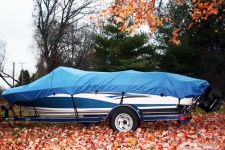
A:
209, 101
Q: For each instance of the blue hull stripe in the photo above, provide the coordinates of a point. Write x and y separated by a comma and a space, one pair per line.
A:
66, 102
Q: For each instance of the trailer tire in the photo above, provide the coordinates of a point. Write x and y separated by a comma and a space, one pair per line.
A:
124, 119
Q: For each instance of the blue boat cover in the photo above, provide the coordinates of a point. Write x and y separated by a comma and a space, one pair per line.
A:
72, 81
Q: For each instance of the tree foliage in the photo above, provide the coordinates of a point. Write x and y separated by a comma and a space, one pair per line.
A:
145, 12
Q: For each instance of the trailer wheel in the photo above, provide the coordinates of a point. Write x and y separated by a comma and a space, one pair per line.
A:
124, 119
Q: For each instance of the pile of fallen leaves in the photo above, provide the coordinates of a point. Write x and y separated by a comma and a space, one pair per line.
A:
202, 131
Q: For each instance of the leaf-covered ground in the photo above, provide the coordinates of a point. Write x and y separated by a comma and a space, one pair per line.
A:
203, 132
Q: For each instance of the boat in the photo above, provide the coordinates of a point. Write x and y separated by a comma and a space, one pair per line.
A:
123, 98
98, 104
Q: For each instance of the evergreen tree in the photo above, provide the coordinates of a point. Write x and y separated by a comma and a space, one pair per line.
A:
175, 58
202, 50
1, 91
116, 50
208, 39
179, 59
24, 78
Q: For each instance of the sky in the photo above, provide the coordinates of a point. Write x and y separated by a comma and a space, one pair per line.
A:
16, 29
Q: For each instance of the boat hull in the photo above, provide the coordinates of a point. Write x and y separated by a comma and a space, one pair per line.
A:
100, 104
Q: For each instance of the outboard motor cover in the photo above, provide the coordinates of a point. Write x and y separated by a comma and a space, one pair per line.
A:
211, 100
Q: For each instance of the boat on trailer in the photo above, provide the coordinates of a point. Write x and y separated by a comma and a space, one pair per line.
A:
122, 98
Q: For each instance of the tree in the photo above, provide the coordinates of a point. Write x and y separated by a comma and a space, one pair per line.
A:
1, 90
2, 54
78, 48
2, 57
179, 59
54, 19
208, 39
175, 58
116, 50
202, 50
24, 78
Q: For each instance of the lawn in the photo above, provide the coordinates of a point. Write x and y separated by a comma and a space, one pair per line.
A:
16, 110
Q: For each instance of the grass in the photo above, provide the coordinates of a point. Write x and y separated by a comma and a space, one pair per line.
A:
16, 110
222, 110
199, 110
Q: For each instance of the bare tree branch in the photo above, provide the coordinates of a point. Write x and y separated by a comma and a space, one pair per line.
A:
2, 54
53, 20
7, 76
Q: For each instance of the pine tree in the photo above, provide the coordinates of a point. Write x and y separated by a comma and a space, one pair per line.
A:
176, 58
116, 50
24, 77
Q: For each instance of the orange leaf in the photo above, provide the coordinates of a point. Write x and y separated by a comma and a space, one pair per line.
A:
152, 138
112, 11
178, 42
190, 25
175, 31
215, 11
130, 12
167, 18
121, 11
103, 11
170, 41
148, 14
